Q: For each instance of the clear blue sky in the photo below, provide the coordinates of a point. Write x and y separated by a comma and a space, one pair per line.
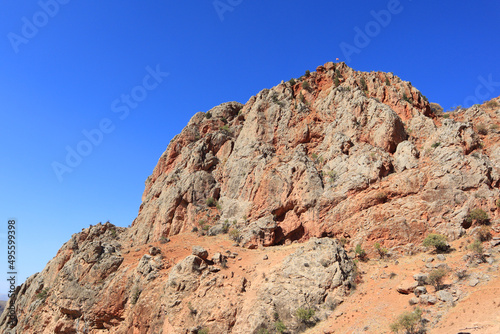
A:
70, 69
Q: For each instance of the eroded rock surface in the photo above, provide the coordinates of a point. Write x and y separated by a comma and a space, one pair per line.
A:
340, 154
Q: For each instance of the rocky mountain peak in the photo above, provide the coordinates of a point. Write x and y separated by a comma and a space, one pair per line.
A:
290, 163
315, 165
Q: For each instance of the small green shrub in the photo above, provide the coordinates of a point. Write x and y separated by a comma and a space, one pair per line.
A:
280, 326
305, 314
477, 248
492, 104
225, 227
360, 252
292, 82
43, 294
333, 176
336, 82
275, 100
235, 235
407, 99
363, 84
482, 129
387, 82
164, 239
306, 85
382, 252
498, 203
436, 277
211, 201
381, 196
308, 73
478, 215
208, 115
408, 322
484, 233
203, 331
437, 241
435, 144
225, 128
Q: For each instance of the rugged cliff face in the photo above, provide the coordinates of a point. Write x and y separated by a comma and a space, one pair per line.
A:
338, 153
335, 155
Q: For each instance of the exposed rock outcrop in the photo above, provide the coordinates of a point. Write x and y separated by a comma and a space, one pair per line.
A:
339, 154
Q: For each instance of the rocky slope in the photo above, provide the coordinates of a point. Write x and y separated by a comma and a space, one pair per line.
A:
334, 155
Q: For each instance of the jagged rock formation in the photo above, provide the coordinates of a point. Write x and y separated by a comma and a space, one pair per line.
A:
338, 153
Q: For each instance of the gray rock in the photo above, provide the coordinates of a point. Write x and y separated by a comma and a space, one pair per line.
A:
473, 282
217, 229
213, 269
260, 232
217, 258
148, 264
421, 278
325, 280
107, 266
441, 257
406, 287
428, 299
442, 266
184, 276
444, 296
420, 290
154, 251
406, 156
413, 301
495, 242
144, 267
200, 252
